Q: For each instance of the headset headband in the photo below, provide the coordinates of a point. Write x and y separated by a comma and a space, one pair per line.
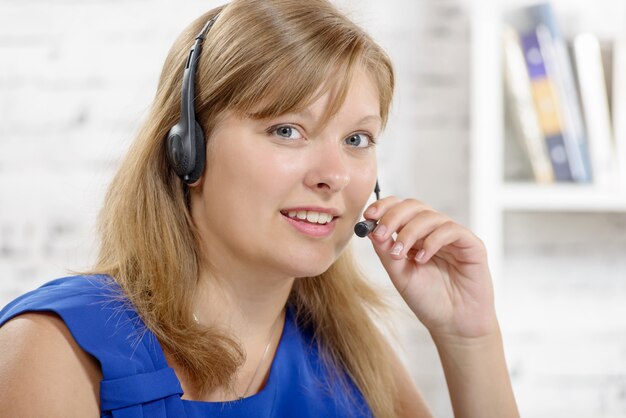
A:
185, 140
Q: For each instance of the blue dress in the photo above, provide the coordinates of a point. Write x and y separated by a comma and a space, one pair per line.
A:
137, 381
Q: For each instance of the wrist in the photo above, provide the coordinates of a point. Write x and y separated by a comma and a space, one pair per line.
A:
477, 374
474, 333
477, 343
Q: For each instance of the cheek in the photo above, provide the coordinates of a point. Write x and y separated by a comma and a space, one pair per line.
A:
364, 182
263, 172
281, 168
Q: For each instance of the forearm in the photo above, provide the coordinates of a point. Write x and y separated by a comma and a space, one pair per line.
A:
477, 376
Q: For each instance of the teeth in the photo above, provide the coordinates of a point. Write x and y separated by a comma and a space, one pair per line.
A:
311, 216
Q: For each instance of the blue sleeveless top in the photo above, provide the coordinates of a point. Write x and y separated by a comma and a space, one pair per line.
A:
137, 381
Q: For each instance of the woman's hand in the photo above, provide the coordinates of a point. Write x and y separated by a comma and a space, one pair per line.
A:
438, 266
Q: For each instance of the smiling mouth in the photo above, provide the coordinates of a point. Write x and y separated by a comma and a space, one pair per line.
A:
309, 216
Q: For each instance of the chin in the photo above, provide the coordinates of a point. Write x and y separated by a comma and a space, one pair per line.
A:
311, 268
310, 261
310, 271
314, 273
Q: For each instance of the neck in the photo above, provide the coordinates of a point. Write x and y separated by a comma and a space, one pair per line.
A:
245, 303
249, 307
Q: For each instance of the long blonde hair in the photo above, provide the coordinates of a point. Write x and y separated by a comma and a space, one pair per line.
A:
261, 58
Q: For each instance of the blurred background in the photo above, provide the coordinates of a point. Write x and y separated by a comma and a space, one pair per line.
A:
77, 78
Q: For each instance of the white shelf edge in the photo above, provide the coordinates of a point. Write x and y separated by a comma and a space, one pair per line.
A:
486, 124
561, 198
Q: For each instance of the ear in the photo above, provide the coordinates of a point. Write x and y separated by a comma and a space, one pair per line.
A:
196, 184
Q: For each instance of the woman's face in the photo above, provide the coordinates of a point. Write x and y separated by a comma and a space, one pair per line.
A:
263, 176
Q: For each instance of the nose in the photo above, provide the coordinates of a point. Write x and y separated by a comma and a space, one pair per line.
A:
329, 171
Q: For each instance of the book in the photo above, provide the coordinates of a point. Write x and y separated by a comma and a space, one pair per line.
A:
547, 56
545, 99
522, 108
592, 83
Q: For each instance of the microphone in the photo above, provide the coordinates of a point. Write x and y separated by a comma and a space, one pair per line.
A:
364, 228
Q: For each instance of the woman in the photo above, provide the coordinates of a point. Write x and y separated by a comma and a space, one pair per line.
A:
225, 287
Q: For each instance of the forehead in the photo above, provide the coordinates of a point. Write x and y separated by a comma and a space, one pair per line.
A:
360, 101
292, 93
343, 100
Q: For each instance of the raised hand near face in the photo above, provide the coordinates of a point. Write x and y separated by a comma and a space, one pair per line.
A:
438, 266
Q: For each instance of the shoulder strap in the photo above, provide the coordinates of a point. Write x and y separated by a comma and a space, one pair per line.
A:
104, 325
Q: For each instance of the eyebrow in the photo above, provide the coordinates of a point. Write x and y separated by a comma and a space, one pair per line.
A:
306, 113
374, 118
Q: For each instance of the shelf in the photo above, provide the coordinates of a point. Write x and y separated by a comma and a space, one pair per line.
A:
491, 196
562, 198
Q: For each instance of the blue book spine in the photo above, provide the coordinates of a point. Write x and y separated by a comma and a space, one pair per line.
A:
546, 103
559, 69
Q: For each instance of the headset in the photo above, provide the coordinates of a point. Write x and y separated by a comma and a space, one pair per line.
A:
184, 144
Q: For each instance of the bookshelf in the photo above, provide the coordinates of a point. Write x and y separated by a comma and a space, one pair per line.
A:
491, 195
560, 198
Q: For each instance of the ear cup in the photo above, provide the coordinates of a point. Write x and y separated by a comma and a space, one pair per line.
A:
198, 166
177, 155
187, 162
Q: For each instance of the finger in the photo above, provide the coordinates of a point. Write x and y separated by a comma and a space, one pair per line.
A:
468, 249
382, 247
416, 230
393, 267
413, 251
448, 233
379, 207
398, 215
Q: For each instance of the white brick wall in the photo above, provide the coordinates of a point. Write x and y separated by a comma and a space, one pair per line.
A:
76, 78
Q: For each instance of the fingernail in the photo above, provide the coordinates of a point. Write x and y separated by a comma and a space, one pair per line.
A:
380, 230
420, 255
370, 212
397, 248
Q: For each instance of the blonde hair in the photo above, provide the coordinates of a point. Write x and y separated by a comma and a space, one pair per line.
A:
262, 58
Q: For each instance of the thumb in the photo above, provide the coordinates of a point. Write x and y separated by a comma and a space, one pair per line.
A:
395, 267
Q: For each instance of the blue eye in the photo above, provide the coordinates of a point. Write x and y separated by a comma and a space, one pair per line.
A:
285, 131
360, 140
